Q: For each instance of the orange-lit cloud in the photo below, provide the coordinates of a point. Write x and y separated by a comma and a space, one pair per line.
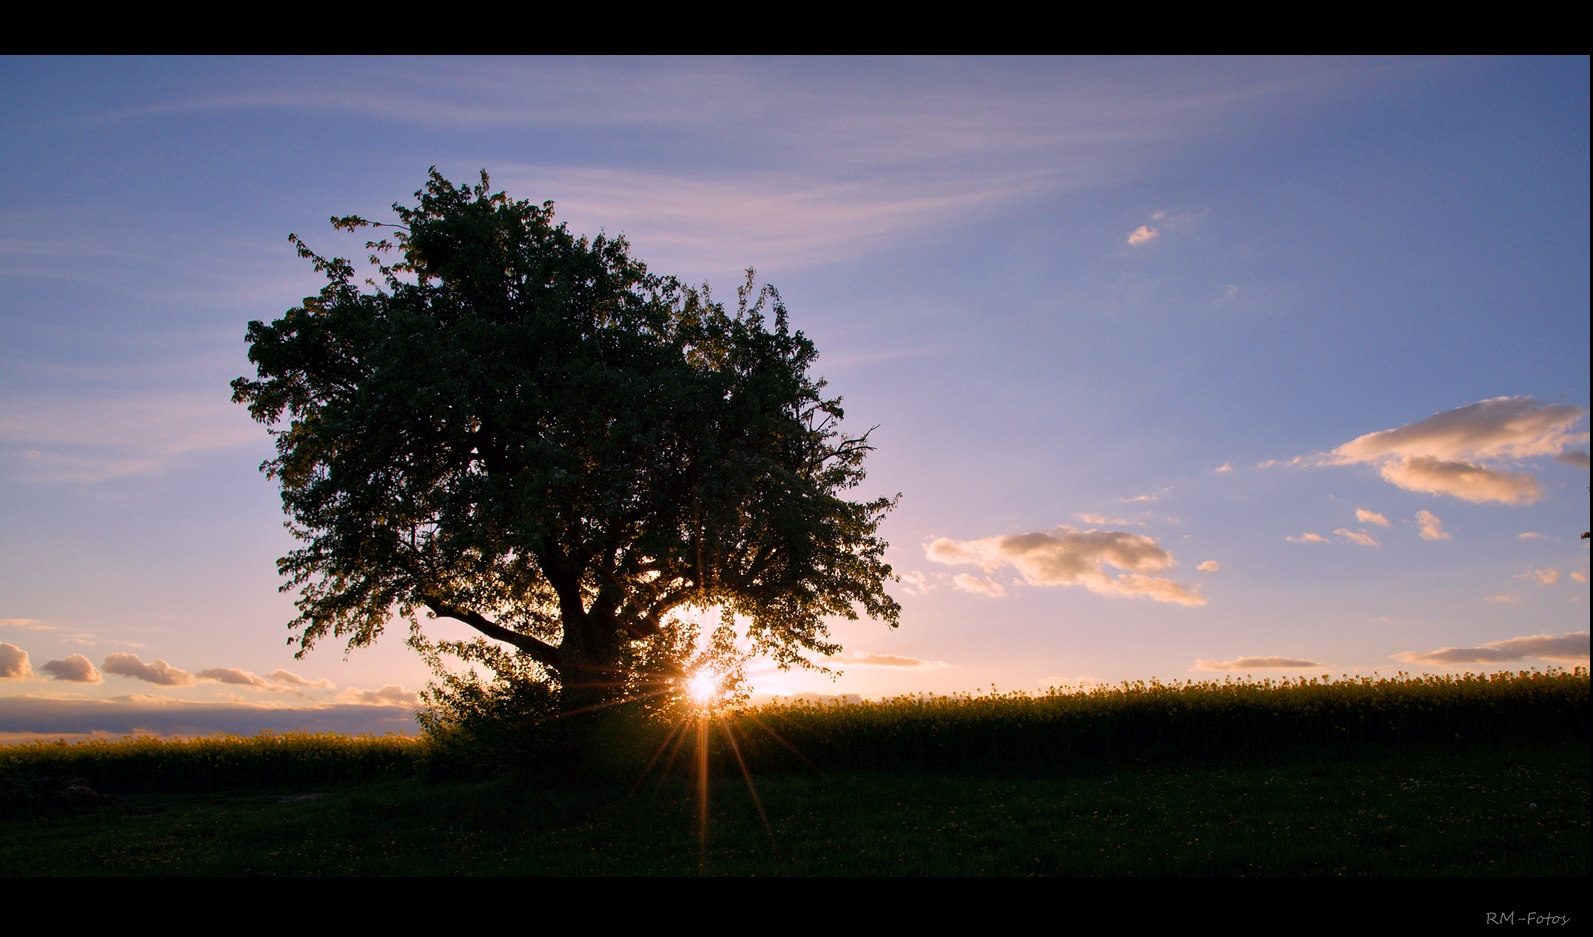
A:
1361, 537
1543, 577
158, 672
393, 694
1067, 556
1143, 234
1370, 517
1308, 537
1430, 526
1256, 663
74, 669
25, 624
1571, 646
1210, 566
1573, 457
1443, 454
14, 663
293, 679
870, 659
978, 585
1500, 598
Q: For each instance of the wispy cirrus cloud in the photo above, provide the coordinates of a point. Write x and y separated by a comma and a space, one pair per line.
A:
92, 439
1543, 577
1256, 663
1358, 536
871, 659
26, 624
1067, 556
1571, 646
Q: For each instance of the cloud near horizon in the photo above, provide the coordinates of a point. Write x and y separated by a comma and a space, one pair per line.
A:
1256, 663
1571, 646
14, 662
157, 672
870, 659
393, 694
74, 669
1443, 454
1068, 557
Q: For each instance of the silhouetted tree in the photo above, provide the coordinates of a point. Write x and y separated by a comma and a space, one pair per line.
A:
528, 432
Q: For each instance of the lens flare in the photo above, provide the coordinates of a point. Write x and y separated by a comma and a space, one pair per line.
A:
703, 687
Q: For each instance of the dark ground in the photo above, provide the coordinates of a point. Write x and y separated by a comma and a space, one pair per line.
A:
1478, 810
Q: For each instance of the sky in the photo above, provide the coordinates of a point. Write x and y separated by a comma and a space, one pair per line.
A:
1183, 368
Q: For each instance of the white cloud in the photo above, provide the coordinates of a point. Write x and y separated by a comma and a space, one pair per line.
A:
393, 694
1228, 293
158, 672
1543, 577
1530, 535
1440, 454
1210, 566
1142, 234
1370, 517
74, 669
1256, 663
1362, 537
978, 585
1307, 537
1225, 467
1068, 556
870, 659
1500, 598
1573, 457
14, 662
1571, 646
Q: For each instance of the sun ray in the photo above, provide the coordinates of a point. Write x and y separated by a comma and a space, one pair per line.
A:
776, 736
751, 789
656, 755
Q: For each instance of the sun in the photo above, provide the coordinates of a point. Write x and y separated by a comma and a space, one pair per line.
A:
703, 686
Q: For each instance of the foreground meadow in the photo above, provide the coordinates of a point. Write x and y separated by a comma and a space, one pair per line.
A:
1405, 778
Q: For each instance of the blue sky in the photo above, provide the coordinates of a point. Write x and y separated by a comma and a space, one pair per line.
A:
1069, 293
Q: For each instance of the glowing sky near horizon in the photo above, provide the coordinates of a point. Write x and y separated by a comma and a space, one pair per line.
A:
1182, 367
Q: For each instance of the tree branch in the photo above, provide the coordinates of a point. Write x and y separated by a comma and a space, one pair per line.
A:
540, 651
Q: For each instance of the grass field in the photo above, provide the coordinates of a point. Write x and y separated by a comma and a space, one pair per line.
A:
1430, 777
1509, 810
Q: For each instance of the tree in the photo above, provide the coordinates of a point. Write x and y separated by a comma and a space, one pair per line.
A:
530, 433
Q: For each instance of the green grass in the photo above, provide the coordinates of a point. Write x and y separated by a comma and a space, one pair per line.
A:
1462, 810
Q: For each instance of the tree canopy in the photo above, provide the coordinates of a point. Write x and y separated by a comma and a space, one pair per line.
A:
528, 432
